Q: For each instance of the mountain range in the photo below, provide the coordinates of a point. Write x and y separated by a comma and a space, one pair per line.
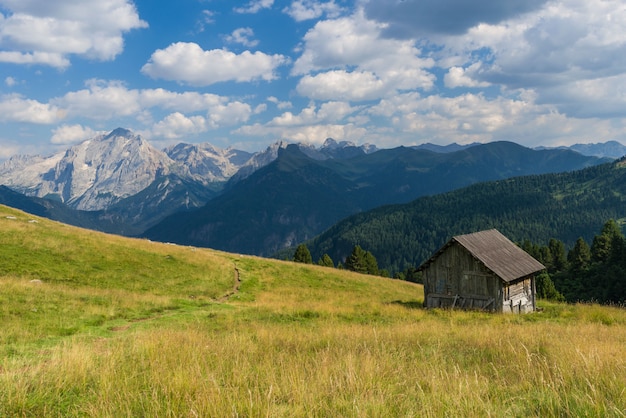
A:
296, 197
609, 149
102, 171
256, 203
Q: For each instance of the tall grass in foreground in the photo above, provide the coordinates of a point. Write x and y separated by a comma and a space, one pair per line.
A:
148, 337
409, 363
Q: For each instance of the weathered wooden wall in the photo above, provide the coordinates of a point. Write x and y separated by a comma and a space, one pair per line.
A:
455, 279
519, 296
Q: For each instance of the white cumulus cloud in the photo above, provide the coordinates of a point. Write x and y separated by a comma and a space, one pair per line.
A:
189, 63
101, 100
301, 10
561, 49
242, 36
462, 77
229, 114
309, 134
350, 53
187, 101
177, 125
44, 58
46, 32
342, 85
71, 134
15, 108
327, 112
255, 6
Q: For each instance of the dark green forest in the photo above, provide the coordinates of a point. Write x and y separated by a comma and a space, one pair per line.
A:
564, 206
592, 272
585, 273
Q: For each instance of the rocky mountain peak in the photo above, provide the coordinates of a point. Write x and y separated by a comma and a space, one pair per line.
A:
207, 163
331, 144
91, 175
105, 169
120, 132
100, 171
258, 160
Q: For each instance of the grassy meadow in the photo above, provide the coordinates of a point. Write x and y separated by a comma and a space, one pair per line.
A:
102, 326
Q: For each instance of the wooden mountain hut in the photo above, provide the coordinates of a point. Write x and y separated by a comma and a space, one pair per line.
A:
483, 270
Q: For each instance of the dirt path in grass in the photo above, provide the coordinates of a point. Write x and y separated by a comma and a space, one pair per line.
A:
235, 288
223, 298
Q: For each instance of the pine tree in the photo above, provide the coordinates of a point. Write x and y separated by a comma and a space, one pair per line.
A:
362, 261
601, 246
546, 289
326, 261
575, 285
371, 265
579, 256
302, 255
356, 260
559, 259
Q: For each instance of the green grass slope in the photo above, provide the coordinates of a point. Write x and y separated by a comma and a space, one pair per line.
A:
97, 325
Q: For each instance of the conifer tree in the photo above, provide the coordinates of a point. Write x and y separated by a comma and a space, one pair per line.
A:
601, 246
579, 256
326, 261
371, 265
356, 260
546, 289
362, 261
302, 255
559, 259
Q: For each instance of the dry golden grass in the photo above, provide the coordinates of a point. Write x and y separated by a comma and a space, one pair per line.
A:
294, 341
431, 364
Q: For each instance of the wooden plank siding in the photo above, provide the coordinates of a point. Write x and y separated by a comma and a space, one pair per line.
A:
456, 274
519, 296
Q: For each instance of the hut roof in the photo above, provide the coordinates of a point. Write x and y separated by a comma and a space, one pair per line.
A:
497, 253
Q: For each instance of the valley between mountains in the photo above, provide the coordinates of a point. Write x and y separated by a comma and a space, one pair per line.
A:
266, 203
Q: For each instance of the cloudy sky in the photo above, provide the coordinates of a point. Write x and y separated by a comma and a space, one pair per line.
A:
247, 73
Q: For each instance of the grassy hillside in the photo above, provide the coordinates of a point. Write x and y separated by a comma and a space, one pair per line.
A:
96, 325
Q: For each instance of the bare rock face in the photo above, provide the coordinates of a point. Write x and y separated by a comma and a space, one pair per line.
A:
105, 169
330, 149
108, 168
24, 172
206, 163
92, 175
259, 160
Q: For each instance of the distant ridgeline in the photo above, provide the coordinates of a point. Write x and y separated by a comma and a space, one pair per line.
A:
564, 206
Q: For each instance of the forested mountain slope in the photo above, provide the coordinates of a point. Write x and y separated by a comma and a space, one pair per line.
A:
296, 197
563, 206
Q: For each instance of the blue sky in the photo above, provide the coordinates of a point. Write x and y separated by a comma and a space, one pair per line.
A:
246, 74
